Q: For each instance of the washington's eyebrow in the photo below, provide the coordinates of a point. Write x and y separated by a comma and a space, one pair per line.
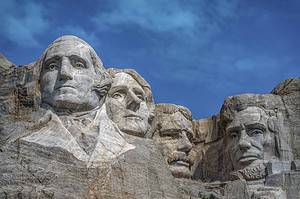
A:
51, 59
76, 57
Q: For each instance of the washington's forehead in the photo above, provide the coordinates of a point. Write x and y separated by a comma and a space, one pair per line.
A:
68, 49
123, 79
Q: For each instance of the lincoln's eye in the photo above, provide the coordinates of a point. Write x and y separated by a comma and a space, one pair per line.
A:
256, 132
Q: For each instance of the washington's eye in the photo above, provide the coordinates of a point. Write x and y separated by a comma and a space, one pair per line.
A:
79, 65
52, 66
255, 132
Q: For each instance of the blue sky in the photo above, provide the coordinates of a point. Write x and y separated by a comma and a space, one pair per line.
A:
193, 53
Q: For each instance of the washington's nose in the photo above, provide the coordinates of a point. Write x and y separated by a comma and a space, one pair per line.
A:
132, 101
184, 144
244, 142
66, 69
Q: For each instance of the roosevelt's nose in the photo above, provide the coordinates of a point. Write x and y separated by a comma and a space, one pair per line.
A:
184, 143
66, 72
244, 142
132, 101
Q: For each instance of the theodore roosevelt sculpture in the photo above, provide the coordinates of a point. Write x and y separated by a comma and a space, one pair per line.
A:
173, 135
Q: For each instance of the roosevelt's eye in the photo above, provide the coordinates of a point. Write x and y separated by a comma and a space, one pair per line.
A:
52, 66
255, 132
170, 134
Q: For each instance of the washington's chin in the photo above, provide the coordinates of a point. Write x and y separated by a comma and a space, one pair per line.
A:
180, 171
72, 102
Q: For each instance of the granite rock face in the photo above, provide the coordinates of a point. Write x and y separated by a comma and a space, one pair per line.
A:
69, 128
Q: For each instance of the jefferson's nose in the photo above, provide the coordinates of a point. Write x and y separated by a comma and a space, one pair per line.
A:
184, 143
132, 101
244, 142
66, 69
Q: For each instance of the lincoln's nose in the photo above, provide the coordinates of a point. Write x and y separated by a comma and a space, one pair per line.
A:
244, 142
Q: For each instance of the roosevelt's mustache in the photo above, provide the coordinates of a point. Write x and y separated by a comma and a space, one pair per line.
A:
179, 156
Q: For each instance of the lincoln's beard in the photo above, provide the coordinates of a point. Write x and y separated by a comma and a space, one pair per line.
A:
252, 172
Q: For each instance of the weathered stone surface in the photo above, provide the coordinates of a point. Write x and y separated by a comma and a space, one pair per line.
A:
288, 181
236, 189
7, 86
69, 128
209, 149
289, 91
196, 189
273, 167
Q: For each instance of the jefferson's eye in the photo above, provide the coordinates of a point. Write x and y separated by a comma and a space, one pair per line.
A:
52, 66
79, 65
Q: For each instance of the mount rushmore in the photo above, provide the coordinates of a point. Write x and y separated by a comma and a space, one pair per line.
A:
72, 128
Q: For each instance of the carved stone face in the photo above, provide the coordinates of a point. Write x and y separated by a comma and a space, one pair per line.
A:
173, 137
126, 105
67, 77
245, 137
